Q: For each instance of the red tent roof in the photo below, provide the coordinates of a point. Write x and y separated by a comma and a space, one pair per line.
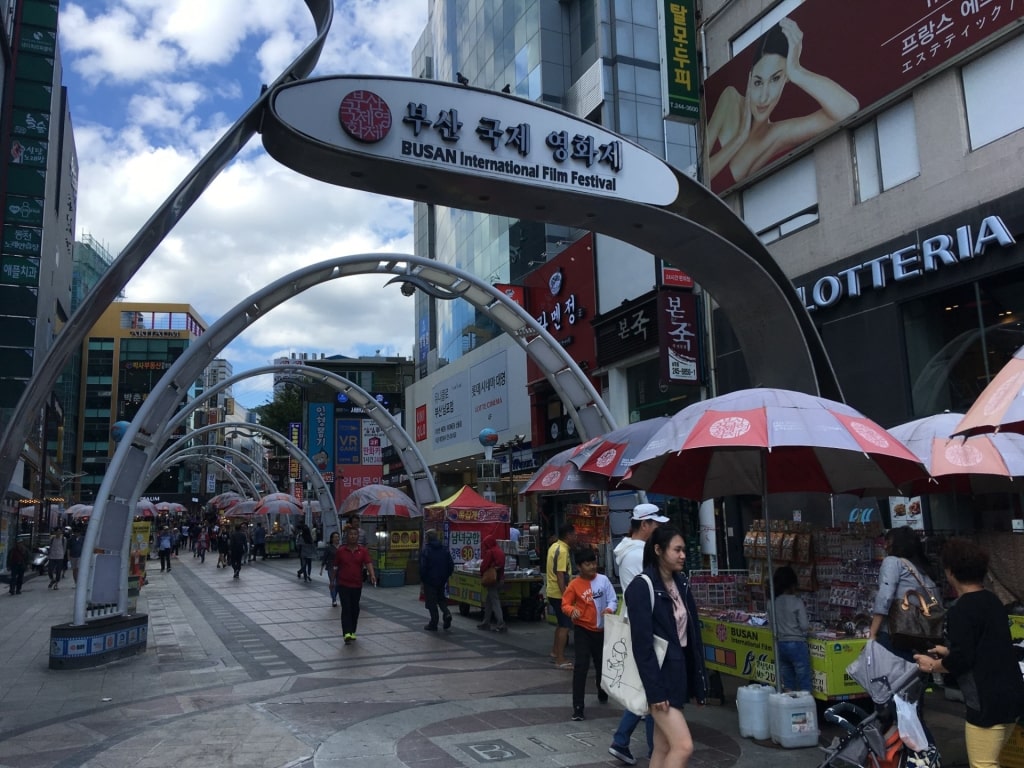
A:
466, 498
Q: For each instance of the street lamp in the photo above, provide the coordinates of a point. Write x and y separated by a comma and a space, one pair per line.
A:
511, 445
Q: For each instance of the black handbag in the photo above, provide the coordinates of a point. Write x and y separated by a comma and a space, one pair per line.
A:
916, 626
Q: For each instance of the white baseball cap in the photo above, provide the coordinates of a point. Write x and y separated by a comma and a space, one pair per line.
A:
648, 512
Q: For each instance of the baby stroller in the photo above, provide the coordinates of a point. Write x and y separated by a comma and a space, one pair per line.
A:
872, 739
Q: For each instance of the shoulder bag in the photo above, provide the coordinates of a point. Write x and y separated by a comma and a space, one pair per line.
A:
489, 577
620, 677
916, 626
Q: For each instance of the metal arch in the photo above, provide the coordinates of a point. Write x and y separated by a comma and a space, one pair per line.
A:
323, 490
123, 494
153, 232
264, 475
122, 482
423, 487
691, 229
249, 487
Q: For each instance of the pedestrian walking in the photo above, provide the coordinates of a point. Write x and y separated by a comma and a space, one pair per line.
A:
327, 562
436, 567
350, 561
307, 551
259, 538
164, 542
586, 601
202, 544
492, 556
238, 544
555, 581
17, 562
75, 551
56, 553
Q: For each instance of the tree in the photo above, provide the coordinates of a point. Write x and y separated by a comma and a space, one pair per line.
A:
286, 407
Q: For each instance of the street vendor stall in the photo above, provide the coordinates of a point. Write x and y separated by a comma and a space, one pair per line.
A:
463, 521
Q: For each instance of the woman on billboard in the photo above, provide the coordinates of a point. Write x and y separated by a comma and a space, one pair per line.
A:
741, 135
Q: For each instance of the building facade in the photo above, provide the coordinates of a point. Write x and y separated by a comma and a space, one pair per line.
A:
882, 168
597, 61
124, 356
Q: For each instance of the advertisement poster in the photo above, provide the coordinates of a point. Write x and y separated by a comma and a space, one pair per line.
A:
353, 476
450, 401
350, 440
404, 539
488, 394
906, 510
825, 63
373, 442
320, 440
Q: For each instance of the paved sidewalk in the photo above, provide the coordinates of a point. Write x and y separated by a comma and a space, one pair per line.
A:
252, 672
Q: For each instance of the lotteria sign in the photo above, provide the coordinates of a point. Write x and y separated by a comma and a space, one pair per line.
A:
910, 262
469, 131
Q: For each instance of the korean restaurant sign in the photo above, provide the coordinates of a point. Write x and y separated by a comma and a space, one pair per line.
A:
680, 80
471, 132
627, 331
858, 53
562, 295
677, 337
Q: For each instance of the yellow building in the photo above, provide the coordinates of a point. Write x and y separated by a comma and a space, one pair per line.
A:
124, 356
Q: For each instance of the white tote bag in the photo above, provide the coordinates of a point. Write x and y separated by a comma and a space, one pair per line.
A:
619, 676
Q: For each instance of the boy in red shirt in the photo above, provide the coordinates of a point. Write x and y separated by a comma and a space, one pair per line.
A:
586, 600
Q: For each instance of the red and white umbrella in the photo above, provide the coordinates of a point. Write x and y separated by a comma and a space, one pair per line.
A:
277, 507
759, 441
170, 507
379, 501
246, 508
559, 474
144, 508
612, 454
225, 500
979, 464
1000, 406
278, 495
78, 510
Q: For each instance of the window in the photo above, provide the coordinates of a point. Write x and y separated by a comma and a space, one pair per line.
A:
885, 151
992, 93
784, 202
762, 25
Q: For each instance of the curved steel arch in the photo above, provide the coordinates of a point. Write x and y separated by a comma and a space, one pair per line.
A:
122, 482
154, 469
327, 507
423, 488
665, 213
153, 232
248, 488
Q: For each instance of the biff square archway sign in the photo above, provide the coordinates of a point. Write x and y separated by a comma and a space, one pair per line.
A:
460, 147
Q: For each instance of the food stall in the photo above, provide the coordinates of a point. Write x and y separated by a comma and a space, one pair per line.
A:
463, 521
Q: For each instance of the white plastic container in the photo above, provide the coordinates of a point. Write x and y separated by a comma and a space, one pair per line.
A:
752, 705
793, 719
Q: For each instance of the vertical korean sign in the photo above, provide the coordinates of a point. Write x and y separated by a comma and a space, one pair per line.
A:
320, 441
295, 436
677, 337
679, 80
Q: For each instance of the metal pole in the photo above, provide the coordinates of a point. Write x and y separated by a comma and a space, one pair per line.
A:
771, 569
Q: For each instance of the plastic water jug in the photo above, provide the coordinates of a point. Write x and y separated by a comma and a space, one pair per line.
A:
752, 704
793, 719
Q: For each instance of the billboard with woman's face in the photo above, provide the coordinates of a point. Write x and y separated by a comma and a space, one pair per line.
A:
825, 63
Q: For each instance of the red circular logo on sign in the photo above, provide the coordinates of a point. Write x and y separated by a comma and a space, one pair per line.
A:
365, 116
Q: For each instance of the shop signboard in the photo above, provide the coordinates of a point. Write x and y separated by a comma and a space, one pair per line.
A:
904, 43
488, 394
35, 67
421, 423
28, 95
18, 271
680, 81
677, 337
351, 477
350, 441
320, 442
25, 151
746, 651
295, 438
373, 442
627, 331
41, 41
24, 210
22, 241
30, 122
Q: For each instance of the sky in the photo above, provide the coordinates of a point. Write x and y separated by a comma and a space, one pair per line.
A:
153, 84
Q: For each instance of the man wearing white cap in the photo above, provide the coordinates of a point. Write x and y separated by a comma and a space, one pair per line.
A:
629, 563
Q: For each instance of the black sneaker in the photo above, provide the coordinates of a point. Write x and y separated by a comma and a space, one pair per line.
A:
622, 753
602, 697
447, 621
431, 627
577, 715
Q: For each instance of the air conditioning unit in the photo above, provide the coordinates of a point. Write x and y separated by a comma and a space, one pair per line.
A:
488, 471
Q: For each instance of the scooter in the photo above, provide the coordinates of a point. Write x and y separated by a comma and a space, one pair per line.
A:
41, 559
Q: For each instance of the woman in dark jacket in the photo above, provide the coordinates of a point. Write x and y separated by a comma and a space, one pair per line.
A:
672, 617
979, 654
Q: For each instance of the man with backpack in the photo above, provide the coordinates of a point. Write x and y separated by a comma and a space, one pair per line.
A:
436, 566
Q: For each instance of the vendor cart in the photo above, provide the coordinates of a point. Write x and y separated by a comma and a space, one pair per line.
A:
520, 593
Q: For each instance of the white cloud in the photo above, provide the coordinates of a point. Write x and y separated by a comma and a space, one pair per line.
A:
153, 85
